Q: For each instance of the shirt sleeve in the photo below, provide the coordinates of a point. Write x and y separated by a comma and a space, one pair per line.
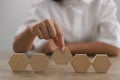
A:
108, 26
37, 13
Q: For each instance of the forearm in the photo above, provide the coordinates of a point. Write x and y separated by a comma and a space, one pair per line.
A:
23, 41
93, 48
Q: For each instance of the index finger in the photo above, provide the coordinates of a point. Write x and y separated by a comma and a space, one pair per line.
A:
60, 36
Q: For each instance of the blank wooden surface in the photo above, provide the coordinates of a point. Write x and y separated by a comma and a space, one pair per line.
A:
62, 58
39, 62
101, 63
81, 63
56, 72
18, 62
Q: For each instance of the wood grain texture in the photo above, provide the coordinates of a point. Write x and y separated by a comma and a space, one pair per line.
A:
80, 63
62, 58
56, 72
18, 62
39, 62
101, 63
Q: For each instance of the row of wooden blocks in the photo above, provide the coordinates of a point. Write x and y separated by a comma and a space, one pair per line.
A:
80, 62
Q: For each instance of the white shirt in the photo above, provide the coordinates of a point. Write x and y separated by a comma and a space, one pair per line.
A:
80, 20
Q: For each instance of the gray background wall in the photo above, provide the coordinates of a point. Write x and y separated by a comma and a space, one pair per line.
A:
12, 14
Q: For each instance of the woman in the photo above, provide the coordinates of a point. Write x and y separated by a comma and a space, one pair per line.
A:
85, 26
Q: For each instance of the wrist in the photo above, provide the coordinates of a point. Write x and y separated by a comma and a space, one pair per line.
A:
29, 31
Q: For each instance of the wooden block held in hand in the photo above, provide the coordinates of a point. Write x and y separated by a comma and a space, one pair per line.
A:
18, 62
62, 58
81, 63
39, 62
101, 63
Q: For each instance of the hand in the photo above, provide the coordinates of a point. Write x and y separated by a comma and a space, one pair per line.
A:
49, 47
49, 29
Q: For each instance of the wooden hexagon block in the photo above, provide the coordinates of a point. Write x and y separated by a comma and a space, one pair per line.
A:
18, 62
39, 62
62, 58
81, 63
101, 63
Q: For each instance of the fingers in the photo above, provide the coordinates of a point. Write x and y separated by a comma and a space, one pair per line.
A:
37, 31
60, 36
44, 31
50, 28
